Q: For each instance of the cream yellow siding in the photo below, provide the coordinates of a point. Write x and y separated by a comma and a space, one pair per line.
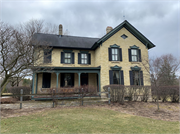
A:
100, 57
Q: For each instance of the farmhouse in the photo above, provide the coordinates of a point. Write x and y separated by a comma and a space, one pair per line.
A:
74, 61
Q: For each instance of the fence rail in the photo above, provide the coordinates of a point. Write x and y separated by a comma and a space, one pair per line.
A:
81, 96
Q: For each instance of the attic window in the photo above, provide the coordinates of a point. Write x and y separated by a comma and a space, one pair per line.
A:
124, 36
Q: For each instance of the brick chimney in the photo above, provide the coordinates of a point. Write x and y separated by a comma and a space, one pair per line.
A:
108, 29
60, 29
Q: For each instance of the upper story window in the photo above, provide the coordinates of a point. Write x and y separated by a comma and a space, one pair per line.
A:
134, 54
115, 53
124, 36
84, 57
67, 57
47, 56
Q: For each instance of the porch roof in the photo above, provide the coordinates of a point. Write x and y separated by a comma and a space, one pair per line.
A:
68, 69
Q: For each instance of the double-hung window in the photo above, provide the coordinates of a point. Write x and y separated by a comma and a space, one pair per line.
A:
116, 75
84, 59
47, 56
115, 54
67, 58
134, 55
136, 76
116, 78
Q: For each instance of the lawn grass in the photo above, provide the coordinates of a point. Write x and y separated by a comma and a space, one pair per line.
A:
85, 120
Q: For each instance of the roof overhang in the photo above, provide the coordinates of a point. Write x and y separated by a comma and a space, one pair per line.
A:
131, 29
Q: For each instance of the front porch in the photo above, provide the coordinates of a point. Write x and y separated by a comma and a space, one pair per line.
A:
64, 79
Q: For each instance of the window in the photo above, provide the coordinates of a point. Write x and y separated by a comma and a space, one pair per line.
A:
46, 83
115, 54
67, 79
83, 58
67, 58
47, 56
124, 36
134, 54
116, 78
136, 78
116, 75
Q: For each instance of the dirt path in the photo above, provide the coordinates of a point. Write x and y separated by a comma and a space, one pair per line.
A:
168, 111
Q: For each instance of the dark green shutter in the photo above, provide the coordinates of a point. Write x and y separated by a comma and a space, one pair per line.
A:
72, 58
110, 54
139, 50
89, 58
122, 78
141, 77
120, 54
62, 57
110, 77
130, 57
131, 77
79, 58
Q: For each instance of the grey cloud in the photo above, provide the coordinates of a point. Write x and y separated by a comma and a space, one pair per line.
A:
158, 21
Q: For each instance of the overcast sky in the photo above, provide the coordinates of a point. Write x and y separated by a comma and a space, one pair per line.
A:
157, 20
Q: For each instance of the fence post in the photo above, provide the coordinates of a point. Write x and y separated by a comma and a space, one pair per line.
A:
82, 98
21, 98
53, 96
109, 96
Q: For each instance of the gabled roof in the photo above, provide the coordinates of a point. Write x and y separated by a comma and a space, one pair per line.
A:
131, 29
64, 41
75, 42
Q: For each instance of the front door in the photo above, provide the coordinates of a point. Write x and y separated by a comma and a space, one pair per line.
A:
84, 79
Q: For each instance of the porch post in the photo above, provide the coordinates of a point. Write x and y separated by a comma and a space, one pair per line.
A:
99, 81
33, 84
79, 78
36, 82
57, 77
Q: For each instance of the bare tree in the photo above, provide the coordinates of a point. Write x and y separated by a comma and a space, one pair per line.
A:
16, 49
162, 72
